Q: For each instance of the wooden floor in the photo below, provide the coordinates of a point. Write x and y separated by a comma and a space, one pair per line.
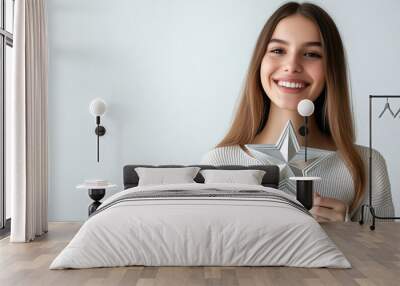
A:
374, 255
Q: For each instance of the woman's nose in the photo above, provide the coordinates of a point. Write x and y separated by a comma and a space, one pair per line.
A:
293, 65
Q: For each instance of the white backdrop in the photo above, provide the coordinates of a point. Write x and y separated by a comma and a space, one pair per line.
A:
171, 72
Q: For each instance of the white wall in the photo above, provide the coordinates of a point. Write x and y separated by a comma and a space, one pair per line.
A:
171, 72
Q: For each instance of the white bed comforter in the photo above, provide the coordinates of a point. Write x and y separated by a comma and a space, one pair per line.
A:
200, 231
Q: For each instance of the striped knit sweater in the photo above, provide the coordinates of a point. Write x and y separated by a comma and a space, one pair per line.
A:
336, 179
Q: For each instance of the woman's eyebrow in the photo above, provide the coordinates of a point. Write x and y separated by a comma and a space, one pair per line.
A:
306, 44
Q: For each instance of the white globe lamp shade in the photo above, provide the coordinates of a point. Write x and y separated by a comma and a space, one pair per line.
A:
305, 107
97, 107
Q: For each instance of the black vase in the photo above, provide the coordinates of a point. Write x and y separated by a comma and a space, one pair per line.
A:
96, 195
304, 193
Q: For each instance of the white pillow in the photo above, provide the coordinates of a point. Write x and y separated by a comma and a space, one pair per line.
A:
165, 176
249, 177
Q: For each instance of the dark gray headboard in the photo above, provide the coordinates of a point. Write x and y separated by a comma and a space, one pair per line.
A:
271, 177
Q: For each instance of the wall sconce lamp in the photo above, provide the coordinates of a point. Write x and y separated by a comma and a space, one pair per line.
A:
305, 108
97, 108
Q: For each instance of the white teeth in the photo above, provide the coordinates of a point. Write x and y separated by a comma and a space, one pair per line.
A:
291, 84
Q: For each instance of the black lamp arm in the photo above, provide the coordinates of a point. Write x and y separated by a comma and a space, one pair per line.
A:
100, 131
305, 137
303, 131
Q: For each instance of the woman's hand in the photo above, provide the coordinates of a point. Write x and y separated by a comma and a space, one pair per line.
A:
328, 209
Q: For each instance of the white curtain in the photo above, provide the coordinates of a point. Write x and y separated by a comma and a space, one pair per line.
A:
28, 123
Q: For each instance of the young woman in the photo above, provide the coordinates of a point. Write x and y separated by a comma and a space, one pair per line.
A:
299, 55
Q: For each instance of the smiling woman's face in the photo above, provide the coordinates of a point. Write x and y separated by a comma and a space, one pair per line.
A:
293, 67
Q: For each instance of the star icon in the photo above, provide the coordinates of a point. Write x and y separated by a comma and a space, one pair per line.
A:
289, 157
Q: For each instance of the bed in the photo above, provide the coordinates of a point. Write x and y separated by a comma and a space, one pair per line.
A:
201, 224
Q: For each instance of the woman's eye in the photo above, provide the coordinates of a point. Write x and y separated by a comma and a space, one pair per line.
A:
277, 51
312, 55
280, 51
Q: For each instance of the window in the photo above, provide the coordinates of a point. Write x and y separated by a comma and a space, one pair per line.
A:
6, 44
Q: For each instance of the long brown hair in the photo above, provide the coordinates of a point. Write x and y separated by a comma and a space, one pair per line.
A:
332, 108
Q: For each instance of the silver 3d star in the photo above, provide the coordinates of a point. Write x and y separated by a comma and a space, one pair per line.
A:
289, 156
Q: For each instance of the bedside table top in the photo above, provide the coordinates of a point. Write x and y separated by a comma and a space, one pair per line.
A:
94, 187
305, 178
